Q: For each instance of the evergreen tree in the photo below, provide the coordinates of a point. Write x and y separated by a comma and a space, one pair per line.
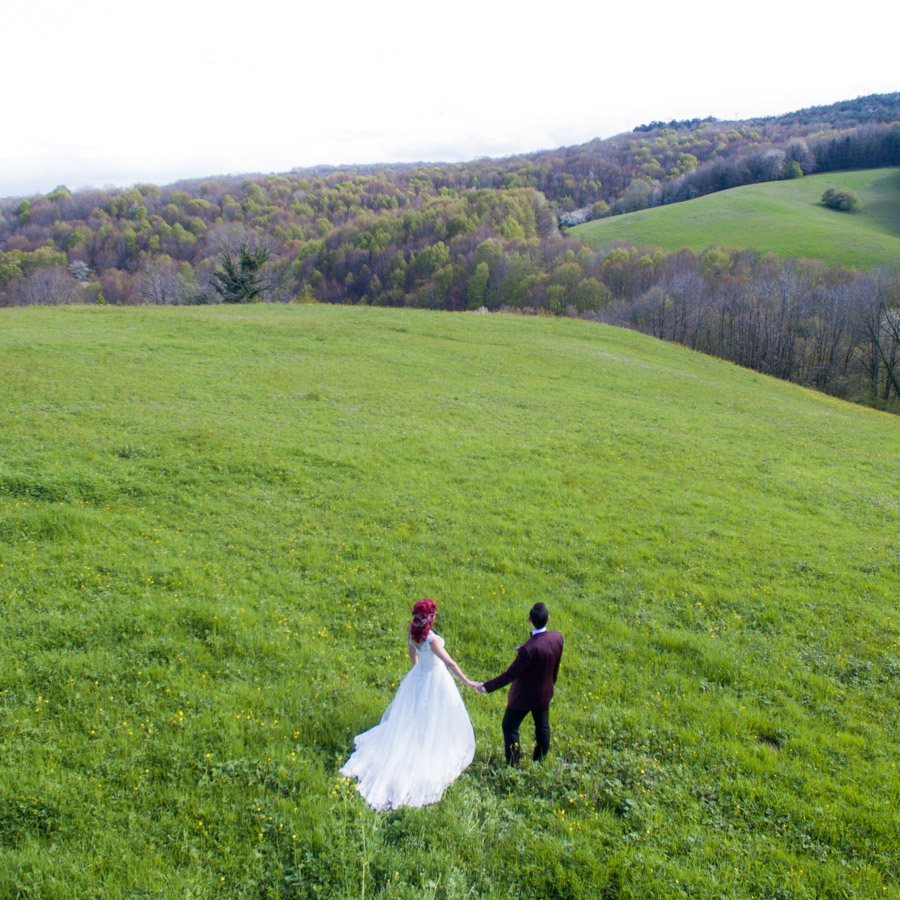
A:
239, 280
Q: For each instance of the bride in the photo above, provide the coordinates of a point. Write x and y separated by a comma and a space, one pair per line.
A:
425, 737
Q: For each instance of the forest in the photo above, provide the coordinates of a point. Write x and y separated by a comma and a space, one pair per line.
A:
828, 328
491, 234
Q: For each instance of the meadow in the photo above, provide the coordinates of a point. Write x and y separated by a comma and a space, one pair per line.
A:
786, 218
214, 522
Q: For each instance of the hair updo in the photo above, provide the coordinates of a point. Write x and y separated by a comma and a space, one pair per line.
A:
422, 617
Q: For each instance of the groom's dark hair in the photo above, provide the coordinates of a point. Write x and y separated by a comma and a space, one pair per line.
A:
539, 615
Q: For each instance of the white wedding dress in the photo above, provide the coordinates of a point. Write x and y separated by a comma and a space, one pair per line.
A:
422, 744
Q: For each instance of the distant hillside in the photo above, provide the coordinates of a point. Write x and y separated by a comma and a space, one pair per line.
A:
783, 217
453, 237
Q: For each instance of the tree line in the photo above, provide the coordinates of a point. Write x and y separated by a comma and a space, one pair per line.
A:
828, 328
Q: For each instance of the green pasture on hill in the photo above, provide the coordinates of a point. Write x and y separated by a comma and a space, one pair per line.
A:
782, 217
214, 522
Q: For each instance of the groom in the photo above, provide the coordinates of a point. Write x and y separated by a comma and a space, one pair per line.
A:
532, 677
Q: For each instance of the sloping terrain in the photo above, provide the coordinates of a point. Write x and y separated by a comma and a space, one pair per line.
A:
214, 522
782, 217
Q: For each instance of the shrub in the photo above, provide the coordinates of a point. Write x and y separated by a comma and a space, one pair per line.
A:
842, 199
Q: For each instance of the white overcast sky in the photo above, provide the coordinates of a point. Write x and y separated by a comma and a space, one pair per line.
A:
111, 92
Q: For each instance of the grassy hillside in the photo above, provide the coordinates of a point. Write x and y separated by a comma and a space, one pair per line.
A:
214, 522
783, 217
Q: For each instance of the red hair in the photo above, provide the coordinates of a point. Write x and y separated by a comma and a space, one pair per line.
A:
422, 617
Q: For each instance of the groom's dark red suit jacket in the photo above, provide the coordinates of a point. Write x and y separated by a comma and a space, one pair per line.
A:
533, 674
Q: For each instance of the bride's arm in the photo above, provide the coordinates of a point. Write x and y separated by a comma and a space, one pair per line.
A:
413, 653
437, 648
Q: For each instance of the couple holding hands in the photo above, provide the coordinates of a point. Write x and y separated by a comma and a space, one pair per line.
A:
425, 738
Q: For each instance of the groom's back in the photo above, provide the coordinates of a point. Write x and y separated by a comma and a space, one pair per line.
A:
533, 689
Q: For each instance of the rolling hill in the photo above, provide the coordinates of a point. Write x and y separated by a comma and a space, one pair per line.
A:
782, 217
214, 522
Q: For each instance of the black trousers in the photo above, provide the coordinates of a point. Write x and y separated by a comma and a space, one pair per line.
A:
512, 719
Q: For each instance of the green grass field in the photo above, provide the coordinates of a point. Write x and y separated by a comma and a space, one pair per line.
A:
782, 217
214, 522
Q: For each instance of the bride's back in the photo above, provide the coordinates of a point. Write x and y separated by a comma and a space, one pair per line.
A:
426, 657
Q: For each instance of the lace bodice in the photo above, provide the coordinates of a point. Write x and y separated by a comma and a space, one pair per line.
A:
427, 657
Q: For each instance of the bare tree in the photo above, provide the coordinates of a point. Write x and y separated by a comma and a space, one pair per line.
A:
47, 286
223, 240
161, 283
